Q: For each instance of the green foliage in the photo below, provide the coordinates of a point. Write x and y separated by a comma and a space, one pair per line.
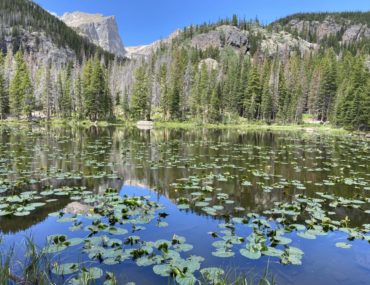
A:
253, 95
328, 87
177, 72
126, 105
180, 82
216, 111
267, 108
140, 102
4, 98
27, 15
97, 100
270, 89
21, 89
353, 103
46, 95
64, 87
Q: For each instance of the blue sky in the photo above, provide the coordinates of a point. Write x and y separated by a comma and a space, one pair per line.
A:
144, 21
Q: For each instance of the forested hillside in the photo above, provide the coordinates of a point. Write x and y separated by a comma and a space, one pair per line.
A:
328, 84
18, 16
225, 72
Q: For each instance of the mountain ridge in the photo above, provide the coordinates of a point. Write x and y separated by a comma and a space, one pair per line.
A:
210, 73
22, 20
99, 29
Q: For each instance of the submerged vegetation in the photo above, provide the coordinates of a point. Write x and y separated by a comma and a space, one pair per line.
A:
261, 193
249, 176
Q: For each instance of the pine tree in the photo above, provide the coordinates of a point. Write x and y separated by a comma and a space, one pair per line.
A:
21, 90
140, 109
353, 99
236, 91
101, 107
293, 102
87, 91
64, 89
242, 86
106, 100
235, 21
118, 98
328, 87
215, 112
95, 89
267, 103
79, 109
178, 67
203, 93
284, 96
163, 85
253, 94
4, 99
47, 93
360, 109
126, 105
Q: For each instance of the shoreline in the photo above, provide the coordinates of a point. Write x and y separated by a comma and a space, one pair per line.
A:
252, 126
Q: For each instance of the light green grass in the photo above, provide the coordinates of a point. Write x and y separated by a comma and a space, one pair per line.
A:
256, 127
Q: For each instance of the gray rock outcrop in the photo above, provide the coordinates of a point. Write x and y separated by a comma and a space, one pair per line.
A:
40, 47
221, 37
348, 31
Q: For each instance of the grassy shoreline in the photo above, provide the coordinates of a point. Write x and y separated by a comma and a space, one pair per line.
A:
254, 126
247, 126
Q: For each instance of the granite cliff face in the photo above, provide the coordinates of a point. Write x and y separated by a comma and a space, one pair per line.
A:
99, 29
222, 36
346, 30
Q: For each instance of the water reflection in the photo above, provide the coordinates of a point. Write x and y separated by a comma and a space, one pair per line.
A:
98, 158
170, 164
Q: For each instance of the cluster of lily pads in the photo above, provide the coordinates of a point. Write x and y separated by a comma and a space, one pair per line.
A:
107, 218
24, 203
267, 238
312, 177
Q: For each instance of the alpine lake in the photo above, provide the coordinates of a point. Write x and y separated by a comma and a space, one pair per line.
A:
186, 206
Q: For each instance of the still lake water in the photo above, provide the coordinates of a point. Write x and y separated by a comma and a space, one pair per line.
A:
266, 173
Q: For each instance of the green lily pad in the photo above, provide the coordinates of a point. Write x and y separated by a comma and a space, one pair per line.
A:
343, 245
65, 269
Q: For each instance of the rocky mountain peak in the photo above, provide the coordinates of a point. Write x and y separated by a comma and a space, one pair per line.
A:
99, 29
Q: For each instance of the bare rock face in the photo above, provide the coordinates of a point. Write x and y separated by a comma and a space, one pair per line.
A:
356, 33
100, 30
349, 32
284, 44
40, 47
221, 37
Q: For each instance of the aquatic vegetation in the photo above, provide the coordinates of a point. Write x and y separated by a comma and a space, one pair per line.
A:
260, 197
34, 268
